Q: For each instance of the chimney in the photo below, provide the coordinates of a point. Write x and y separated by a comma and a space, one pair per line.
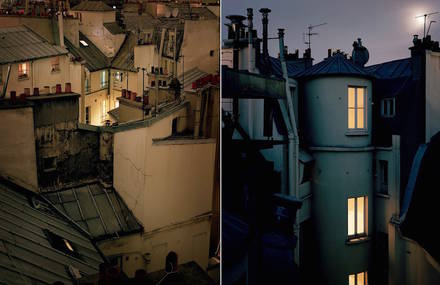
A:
237, 24
251, 54
60, 23
265, 12
68, 88
36, 91
329, 52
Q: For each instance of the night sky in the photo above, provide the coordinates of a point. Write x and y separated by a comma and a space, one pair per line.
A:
386, 27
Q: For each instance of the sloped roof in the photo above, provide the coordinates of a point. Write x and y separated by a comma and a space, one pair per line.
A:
294, 67
26, 254
189, 77
113, 28
334, 65
97, 6
192, 13
99, 211
18, 44
114, 113
124, 59
95, 59
392, 69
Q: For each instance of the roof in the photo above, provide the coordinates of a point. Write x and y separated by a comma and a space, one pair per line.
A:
392, 69
192, 13
294, 67
124, 58
114, 113
97, 6
99, 211
334, 65
113, 28
188, 273
95, 59
27, 256
189, 77
20, 44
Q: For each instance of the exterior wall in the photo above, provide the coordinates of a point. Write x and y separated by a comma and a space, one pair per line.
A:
40, 75
94, 101
195, 51
186, 240
146, 56
17, 147
432, 94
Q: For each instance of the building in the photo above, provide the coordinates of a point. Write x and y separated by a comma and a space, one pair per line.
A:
363, 138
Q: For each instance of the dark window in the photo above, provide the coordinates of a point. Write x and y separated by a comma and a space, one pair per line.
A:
87, 115
61, 244
49, 164
211, 52
174, 127
383, 176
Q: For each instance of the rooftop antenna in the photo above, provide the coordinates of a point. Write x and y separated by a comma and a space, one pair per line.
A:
424, 21
310, 34
429, 27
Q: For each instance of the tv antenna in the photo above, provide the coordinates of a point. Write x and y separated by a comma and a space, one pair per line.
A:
310, 34
424, 21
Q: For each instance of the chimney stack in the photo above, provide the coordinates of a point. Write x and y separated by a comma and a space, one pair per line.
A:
265, 12
329, 52
60, 23
251, 55
237, 24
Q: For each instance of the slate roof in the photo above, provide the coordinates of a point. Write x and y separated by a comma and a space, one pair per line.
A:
124, 58
334, 65
95, 59
99, 211
294, 67
113, 28
26, 254
392, 69
97, 6
18, 44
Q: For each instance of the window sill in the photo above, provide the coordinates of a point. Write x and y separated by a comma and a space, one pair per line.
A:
356, 133
383, 195
357, 240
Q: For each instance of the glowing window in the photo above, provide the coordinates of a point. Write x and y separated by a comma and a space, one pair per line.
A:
23, 70
103, 79
84, 43
358, 278
356, 107
55, 62
356, 216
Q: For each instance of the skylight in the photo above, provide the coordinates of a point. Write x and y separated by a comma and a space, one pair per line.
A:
84, 43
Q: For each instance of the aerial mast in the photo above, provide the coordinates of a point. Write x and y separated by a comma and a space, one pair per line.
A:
310, 34
424, 21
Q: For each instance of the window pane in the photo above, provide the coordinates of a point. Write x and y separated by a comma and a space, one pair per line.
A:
360, 278
351, 97
350, 216
360, 118
351, 118
360, 215
360, 97
351, 279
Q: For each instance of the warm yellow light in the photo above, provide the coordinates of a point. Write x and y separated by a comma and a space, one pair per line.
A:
351, 218
360, 216
360, 278
68, 245
360, 118
351, 97
352, 279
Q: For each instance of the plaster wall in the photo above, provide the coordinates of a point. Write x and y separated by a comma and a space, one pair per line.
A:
432, 108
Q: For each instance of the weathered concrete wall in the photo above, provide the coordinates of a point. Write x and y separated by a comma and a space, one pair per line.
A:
17, 147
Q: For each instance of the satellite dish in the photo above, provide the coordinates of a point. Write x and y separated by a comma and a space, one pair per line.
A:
175, 12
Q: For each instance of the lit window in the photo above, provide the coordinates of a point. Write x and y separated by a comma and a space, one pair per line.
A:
55, 64
118, 76
356, 107
116, 103
358, 278
103, 79
23, 70
387, 107
356, 214
84, 43
383, 176
61, 244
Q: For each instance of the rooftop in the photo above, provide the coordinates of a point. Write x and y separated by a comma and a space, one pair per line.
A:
294, 67
95, 6
113, 28
391, 69
337, 64
96, 209
124, 58
20, 44
37, 244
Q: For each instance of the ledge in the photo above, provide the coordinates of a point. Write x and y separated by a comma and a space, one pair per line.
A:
357, 240
357, 133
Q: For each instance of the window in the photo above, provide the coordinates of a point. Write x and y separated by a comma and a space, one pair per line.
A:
55, 64
356, 216
23, 70
88, 115
116, 103
356, 108
211, 53
118, 76
383, 176
103, 79
387, 108
84, 43
174, 127
49, 164
61, 244
358, 278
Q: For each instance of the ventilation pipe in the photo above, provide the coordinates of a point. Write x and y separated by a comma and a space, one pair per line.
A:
251, 55
265, 12
293, 136
60, 23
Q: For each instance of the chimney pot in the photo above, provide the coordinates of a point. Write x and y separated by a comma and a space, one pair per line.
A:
27, 92
36, 91
13, 96
58, 89
133, 96
329, 52
68, 88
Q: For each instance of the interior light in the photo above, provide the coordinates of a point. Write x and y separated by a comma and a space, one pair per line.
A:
84, 43
68, 245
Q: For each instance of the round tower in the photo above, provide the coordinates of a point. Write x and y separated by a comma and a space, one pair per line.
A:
337, 128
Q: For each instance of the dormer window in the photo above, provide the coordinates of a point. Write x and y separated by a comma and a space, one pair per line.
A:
55, 64
356, 108
23, 70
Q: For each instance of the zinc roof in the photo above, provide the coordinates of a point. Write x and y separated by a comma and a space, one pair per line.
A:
18, 44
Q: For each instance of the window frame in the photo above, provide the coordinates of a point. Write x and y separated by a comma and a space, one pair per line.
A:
23, 75
357, 234
55, 64
384, 176
356, 108
386, 103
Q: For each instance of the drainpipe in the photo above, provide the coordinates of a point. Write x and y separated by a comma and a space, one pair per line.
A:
293, 141
251, 59
6, 82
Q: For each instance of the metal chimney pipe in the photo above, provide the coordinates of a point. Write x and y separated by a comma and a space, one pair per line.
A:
237, 24
265, 12
251, 56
